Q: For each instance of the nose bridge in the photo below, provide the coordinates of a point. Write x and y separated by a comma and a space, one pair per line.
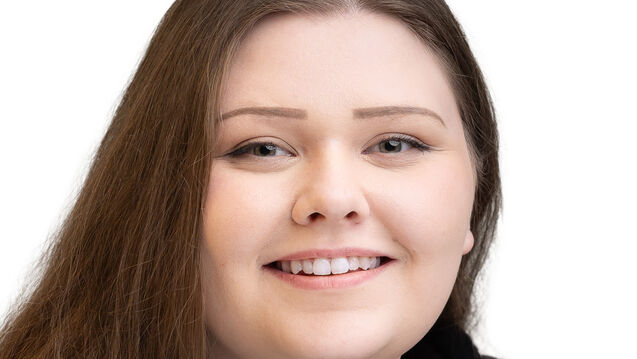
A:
330, 189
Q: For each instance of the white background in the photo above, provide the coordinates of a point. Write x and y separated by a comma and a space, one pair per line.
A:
563, 74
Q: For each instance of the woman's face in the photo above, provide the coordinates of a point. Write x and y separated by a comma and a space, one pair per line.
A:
333, 185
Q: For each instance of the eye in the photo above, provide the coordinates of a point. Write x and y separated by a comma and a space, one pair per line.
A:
391, 144
394, 144
256, 149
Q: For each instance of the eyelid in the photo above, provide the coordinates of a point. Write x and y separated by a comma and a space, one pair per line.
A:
242, 150
412, 141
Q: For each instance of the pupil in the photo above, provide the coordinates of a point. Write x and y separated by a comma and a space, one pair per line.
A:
393, 144
268, 150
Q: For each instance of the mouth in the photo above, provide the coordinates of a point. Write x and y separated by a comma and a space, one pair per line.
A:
337, 266
338, 273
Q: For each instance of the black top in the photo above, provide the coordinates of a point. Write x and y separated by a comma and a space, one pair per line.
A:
445, 342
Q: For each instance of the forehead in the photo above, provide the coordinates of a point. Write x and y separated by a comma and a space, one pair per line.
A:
330, 64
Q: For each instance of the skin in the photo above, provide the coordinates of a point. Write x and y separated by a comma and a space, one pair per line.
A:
413, 206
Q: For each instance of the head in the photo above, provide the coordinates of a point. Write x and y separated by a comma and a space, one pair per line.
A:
332, 180
179, 225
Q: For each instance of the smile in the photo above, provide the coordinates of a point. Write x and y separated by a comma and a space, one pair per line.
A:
328, 273
328, 266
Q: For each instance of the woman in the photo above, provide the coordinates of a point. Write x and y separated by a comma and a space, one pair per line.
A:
282, 179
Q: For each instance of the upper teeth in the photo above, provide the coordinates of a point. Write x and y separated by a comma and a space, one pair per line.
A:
326, 266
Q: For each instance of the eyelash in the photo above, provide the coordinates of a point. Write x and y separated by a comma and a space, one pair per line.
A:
247, 149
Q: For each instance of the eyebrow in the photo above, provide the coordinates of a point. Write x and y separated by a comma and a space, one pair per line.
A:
359, 113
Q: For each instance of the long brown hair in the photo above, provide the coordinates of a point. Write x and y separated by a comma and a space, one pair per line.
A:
121, 276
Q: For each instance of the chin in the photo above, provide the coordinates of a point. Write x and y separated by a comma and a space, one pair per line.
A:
342, 340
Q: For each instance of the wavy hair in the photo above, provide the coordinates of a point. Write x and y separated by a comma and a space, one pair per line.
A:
121, 277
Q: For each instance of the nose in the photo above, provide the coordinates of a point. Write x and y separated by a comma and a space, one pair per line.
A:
330, 192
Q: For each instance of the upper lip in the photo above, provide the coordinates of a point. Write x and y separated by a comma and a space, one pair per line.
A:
333, 253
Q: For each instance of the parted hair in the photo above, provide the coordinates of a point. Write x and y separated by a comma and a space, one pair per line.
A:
120, 276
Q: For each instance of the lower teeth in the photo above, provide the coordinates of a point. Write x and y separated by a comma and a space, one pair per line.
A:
326, 275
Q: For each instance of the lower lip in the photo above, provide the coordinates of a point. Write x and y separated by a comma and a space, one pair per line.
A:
333, 281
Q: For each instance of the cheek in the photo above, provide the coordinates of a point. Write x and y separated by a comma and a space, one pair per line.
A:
229, 229
428, 213
243, 214
240, 207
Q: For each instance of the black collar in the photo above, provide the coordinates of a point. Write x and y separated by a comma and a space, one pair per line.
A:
444, 342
